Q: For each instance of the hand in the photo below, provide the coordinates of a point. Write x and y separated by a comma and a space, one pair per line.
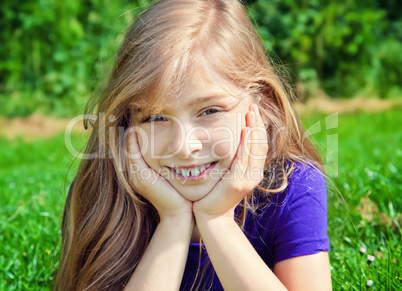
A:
150, 184
245, 173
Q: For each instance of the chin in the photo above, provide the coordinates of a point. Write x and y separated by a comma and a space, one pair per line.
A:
196, 189
193, 196
192, 193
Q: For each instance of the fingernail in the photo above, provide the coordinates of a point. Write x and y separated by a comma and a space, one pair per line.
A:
252, 116
255, 108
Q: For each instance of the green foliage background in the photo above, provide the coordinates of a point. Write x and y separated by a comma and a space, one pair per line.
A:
349, 47
53, 53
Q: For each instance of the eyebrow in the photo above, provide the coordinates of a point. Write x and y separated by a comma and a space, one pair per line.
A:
206, 99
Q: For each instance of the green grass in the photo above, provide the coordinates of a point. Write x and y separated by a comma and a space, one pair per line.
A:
370, 164
32, 195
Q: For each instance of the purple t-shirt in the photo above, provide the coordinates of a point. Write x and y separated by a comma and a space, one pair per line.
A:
292, 224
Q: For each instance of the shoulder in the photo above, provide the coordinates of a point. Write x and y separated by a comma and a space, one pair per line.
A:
294, 222
305, 198
302, 224
306, 182
307, 174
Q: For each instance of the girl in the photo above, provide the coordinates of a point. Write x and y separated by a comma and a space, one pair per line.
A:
204, 179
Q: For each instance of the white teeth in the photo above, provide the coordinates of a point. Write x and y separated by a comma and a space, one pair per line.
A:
185, 172
194, 172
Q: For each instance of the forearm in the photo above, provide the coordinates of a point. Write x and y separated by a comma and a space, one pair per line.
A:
237, 264
162, 266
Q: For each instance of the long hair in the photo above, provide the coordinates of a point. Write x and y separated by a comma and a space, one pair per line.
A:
106, 225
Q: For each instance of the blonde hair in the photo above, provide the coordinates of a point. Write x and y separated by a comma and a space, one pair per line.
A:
106, 226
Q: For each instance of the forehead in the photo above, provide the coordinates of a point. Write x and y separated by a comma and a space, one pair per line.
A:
205, 85
194, 83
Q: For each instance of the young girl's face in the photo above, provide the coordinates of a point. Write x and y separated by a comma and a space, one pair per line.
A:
193, 141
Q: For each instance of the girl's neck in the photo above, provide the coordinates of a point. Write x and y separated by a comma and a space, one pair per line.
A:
195, 237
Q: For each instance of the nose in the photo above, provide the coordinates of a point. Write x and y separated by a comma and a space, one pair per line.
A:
186, 140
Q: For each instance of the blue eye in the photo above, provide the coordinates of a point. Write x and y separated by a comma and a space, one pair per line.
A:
154, 118
210, 111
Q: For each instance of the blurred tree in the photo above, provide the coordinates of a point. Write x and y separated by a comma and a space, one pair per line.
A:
340, 44
51, 49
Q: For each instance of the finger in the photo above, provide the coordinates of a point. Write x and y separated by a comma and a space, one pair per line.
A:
130, 155
238, 168
251, 117
232, 187
135, 163
259, 123
132, 143
242, 154
259, 145
255, 122
257, 134
134, 149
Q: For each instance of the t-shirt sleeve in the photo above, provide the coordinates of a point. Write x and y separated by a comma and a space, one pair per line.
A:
302, 225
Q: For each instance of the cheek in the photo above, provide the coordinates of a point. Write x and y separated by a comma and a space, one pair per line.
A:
150, 149
226, 141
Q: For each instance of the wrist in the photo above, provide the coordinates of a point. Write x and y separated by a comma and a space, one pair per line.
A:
202, 216
216, 227
172, 214
214, 221
181, 220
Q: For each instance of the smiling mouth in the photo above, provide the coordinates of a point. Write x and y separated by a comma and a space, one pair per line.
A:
193, 172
